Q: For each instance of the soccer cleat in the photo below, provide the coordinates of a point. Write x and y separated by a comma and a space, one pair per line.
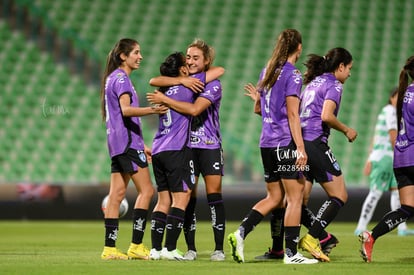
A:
173, 255
312, 245
190, 255
138, 251
271, 255
155, 254
367, 243
112, 253
217, 256
328, 244
298, 259
406, 232
236, 243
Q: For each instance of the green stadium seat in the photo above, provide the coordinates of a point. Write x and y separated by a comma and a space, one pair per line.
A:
244, 34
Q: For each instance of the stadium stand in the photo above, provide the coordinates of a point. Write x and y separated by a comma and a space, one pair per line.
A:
51, 128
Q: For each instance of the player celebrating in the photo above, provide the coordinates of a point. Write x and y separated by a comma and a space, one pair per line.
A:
121, 111
205, 142
282, 148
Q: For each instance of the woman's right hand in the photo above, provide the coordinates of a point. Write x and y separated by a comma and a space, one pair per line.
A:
351, 134
194, 84
251, 91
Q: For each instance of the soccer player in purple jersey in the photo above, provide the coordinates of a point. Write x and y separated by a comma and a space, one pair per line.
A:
282, 147
276, 252
205, 143
121, 112
320, 102
403, 163
173, 165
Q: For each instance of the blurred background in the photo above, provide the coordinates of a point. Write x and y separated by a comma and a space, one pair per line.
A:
52, 54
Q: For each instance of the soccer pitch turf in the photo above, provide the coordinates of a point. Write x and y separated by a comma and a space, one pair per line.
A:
74, 247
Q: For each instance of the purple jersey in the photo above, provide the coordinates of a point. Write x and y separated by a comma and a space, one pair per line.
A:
122, 132
205, 128
275, 125
174, 128
404, 145
323, 87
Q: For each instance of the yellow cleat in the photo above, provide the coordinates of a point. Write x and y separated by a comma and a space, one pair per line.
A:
112, 253
138, 251
312, 245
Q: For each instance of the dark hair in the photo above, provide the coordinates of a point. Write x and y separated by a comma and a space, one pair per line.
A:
172, 64
407, 71
317, 65
113, 61
287, 43
393, 92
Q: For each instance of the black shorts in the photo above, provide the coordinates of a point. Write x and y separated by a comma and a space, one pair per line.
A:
129, 162
208, 161
322, 163
174, 170
279, 163
404, 176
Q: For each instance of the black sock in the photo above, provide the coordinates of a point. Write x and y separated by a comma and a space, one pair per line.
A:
391, 220
189, 227
218, 218
139, 217
308, 218
277, 229
291, 240
111, 231
325, 216
175, 221
158, 221
249, 222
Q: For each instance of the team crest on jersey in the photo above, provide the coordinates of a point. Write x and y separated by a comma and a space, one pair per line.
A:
120, 77
338, 86
297, 75
142, 156
336, 166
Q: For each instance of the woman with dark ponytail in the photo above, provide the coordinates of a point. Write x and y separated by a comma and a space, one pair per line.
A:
403, 163
129, 155
320, 102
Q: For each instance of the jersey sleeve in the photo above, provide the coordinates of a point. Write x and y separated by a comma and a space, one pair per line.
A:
212, 91
294, 83
122, 85
334, 92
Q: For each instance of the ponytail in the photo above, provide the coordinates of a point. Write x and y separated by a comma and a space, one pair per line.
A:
317, 65
287, 43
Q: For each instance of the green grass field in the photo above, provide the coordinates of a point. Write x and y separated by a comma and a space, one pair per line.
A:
74, 247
